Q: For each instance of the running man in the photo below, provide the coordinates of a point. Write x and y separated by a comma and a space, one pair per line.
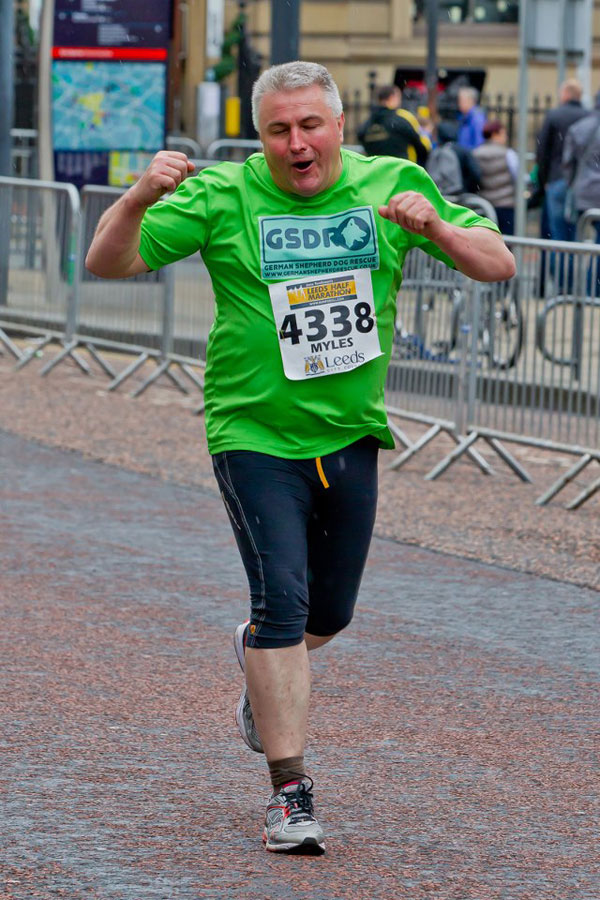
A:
305, 244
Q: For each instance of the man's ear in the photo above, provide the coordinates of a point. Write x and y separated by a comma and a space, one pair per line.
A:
341, 121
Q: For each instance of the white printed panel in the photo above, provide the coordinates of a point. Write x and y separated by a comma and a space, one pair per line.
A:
326, 325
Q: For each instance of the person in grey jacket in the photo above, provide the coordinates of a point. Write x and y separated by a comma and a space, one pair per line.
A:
499, 165
581, 161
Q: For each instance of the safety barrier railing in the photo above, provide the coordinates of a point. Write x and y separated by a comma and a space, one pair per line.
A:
184, 144
510, 362
24, 150
426, 378
160, 317
39, 250
542, 388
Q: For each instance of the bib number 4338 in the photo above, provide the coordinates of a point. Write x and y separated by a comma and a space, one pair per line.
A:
334, 322
326, 324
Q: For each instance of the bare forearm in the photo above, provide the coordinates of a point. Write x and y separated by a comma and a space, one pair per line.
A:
477, 252
113, 252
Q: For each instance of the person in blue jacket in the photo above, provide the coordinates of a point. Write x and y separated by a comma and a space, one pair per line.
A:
472, 118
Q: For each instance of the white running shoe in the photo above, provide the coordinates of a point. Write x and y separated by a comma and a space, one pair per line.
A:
290, 824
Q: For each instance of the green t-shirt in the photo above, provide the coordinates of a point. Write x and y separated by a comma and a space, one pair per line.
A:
255, 239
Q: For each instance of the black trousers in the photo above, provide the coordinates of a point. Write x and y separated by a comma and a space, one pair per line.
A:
303, 528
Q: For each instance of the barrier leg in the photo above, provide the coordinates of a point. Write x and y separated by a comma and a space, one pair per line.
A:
404, 440
68, 350
163, 369
176, 381
126, 373
584, 495
198, 381
414, 448
12, 348
160, 370
555, 488
509, 459
106, 367
473, 455
458, 451
31, 352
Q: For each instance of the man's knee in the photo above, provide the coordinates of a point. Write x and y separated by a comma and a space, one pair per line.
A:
330, 623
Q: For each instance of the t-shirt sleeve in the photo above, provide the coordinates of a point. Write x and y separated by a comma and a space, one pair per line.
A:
449, 212
176, 226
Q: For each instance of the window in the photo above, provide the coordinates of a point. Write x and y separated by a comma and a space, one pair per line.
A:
455, 12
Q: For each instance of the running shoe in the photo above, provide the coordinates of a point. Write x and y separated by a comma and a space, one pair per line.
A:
243, 712
290, 824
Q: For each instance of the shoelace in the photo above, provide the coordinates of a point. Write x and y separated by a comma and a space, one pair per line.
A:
300, 802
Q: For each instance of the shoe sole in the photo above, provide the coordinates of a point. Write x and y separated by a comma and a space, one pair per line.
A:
239, 718
238, 644
308, 847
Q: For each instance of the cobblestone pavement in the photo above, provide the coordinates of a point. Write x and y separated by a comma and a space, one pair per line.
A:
491, 519
452, 741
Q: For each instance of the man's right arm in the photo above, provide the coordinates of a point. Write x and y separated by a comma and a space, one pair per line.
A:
114, 251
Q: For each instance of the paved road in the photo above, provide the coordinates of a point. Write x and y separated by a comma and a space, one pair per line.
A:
452, 743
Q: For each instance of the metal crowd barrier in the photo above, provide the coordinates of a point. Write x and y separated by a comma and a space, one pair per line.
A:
528, 370
24, 151
514, 362
184, 144
39, 251
163, 317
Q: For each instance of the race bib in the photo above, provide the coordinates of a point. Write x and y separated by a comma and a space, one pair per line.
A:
325, 325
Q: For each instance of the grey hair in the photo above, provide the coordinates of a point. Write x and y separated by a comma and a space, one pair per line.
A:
471, 91
292, 75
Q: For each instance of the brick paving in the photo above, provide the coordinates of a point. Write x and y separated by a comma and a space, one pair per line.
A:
453, 741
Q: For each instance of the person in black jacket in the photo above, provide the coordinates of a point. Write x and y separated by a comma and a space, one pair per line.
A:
393, 131
550, 143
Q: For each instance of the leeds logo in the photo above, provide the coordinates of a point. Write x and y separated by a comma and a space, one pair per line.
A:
313, 365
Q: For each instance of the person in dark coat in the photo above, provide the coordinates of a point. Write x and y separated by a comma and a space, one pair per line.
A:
393, 131
550, 144
581, 167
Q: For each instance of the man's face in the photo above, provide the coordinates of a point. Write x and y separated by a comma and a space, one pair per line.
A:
394, 100
301, 139
465, 101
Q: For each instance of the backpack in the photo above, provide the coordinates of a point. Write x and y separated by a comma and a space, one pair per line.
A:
444, 169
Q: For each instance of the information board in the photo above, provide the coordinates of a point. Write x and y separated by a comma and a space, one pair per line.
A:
112, 23
109, 88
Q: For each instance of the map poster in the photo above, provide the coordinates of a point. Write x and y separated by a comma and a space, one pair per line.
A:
109, 88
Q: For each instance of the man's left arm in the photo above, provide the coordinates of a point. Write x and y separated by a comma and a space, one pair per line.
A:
477, 252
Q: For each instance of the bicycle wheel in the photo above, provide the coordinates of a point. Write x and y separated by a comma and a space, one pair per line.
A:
502, 329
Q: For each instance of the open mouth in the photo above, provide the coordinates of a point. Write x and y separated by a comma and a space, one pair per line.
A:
303, 165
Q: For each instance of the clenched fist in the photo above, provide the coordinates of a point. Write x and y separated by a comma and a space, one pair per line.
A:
413, 212
164, 174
